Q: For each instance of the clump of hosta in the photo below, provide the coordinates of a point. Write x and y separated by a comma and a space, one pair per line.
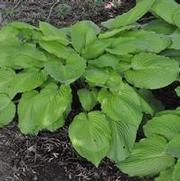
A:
117, 69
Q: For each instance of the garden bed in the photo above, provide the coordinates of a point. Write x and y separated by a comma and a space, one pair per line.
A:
50, 156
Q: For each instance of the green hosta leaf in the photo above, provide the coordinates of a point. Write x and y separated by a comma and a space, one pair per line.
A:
123, 107
176, 172
172, 53
175, 112
83, 33
28, 56
96, 76
103, 78
22, 26
131, 16
165, 9
88, 98
165, 175
56, 49
167, 125
147, 158
4, 101
151, 71
52, 33
7, 110
173, 147
28, 80
46, 110
106, 60
176, 17
90, 135
114, 32
175, 37
6, 76
159, 26
138, 41
149, 104
66, 72
95, 49
178, 91
123, 139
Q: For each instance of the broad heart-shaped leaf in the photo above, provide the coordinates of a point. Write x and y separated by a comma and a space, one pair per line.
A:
103, 78
52, 33
172, 53
159, 26
138, 41
69, 71
56, 48
175, 38
7, 110
173, 147
46, 110
147, 158
83, 33
167, 125
149, 103
106, 60
6, 76
151, 71
123, 107
28, 56
95, 49
141, 8
27, 80
88, 98
176, 172
165, 175
165, 9
90, 135
176, 18
114, 32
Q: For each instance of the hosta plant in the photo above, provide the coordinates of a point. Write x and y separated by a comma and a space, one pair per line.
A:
116, 68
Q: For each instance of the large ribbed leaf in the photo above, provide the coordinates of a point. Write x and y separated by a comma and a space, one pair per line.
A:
68, 71
165, 9
151, 71
131, 16
165, 175
90, 135
176, 172
147, 158
83, 33
159, 26
52, 33
138, 41
7, 110
176, 18
167, 125
95, 49
88, 98
123, 107
175, 37
27, 80
106, 60
173, 147
56, 49
44, 110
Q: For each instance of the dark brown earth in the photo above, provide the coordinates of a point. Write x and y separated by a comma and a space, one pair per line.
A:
50, 156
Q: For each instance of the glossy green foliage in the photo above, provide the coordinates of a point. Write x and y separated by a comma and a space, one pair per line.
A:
109, 75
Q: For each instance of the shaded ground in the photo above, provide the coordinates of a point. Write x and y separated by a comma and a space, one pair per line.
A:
50, 156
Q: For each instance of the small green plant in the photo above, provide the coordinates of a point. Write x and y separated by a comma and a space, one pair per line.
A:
63, 10
117, 70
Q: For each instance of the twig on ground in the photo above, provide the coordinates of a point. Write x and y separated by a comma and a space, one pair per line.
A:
51, 9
